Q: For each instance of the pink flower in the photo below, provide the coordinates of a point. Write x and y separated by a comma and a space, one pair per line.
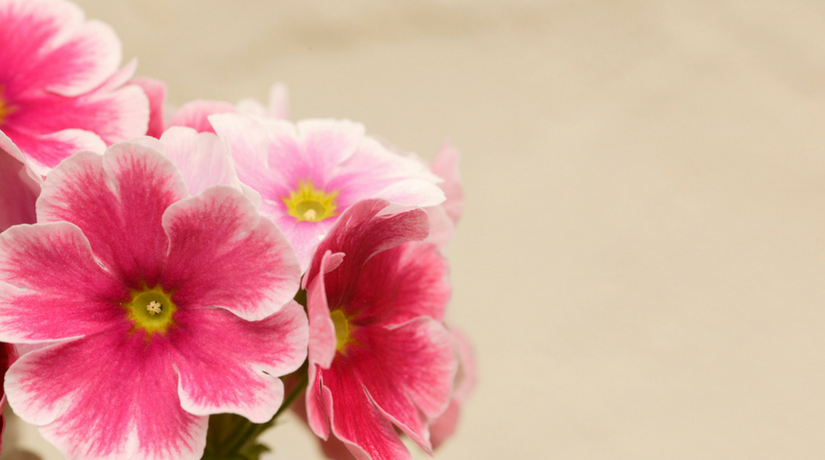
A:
309, 173
159, 308
378, 353
59, 89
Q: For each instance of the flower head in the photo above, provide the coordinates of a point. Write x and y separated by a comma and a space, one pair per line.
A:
379, 355
160, 308
59, 89
309, 173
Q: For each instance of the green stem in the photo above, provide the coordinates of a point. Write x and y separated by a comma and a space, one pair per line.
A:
251, 431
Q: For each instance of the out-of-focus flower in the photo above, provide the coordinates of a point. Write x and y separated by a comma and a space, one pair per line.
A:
465, 383
160, 308
196, 114
445, 216
379, 355
309, 173
7, 356
60, 91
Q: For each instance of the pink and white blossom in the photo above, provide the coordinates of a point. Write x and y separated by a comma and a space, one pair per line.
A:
60, 91
310, 172
156, 308
379, 356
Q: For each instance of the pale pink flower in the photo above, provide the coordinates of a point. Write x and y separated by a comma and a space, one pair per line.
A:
379, 356
158, 308
196, 114
60, 91
444, 217
309, 173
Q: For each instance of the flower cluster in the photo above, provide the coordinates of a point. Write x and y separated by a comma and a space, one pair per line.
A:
162, 270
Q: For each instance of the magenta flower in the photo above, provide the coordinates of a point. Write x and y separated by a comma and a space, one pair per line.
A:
160, 308
378, 353
309, 173
59, 89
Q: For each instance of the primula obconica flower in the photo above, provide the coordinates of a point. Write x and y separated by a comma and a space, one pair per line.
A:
379, 356
157, 308
309, 173
60, 91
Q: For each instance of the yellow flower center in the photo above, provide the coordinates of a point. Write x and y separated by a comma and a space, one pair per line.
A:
309, 204
151, 310
342, 330
6, 109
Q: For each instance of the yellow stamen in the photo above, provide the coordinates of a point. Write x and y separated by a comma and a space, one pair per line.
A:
342, 330
309, 204
151, 310
6, 109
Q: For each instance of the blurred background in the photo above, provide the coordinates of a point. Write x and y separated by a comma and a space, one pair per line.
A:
641, 260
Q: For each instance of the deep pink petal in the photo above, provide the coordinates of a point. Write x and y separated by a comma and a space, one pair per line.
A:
117, 200
45, 151
445, 165
58, 50
356, 421
322, 341
196, 114
114, 115
51, 287
405, 369
93, 408
230, 365
400, 284
223, 253
364, 229
156, 93
18, 193
316, 399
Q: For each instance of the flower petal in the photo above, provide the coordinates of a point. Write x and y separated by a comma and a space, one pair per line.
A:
322, 330
51, 287
356, 421
60, 52
117, 200
196, 114
140, 415
239, 372
445, 165
401, 284
223, 253
202, 158
156, 93
115, 115
45, 151
368, 227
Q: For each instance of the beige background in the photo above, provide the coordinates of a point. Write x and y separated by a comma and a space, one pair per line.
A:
641, 260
